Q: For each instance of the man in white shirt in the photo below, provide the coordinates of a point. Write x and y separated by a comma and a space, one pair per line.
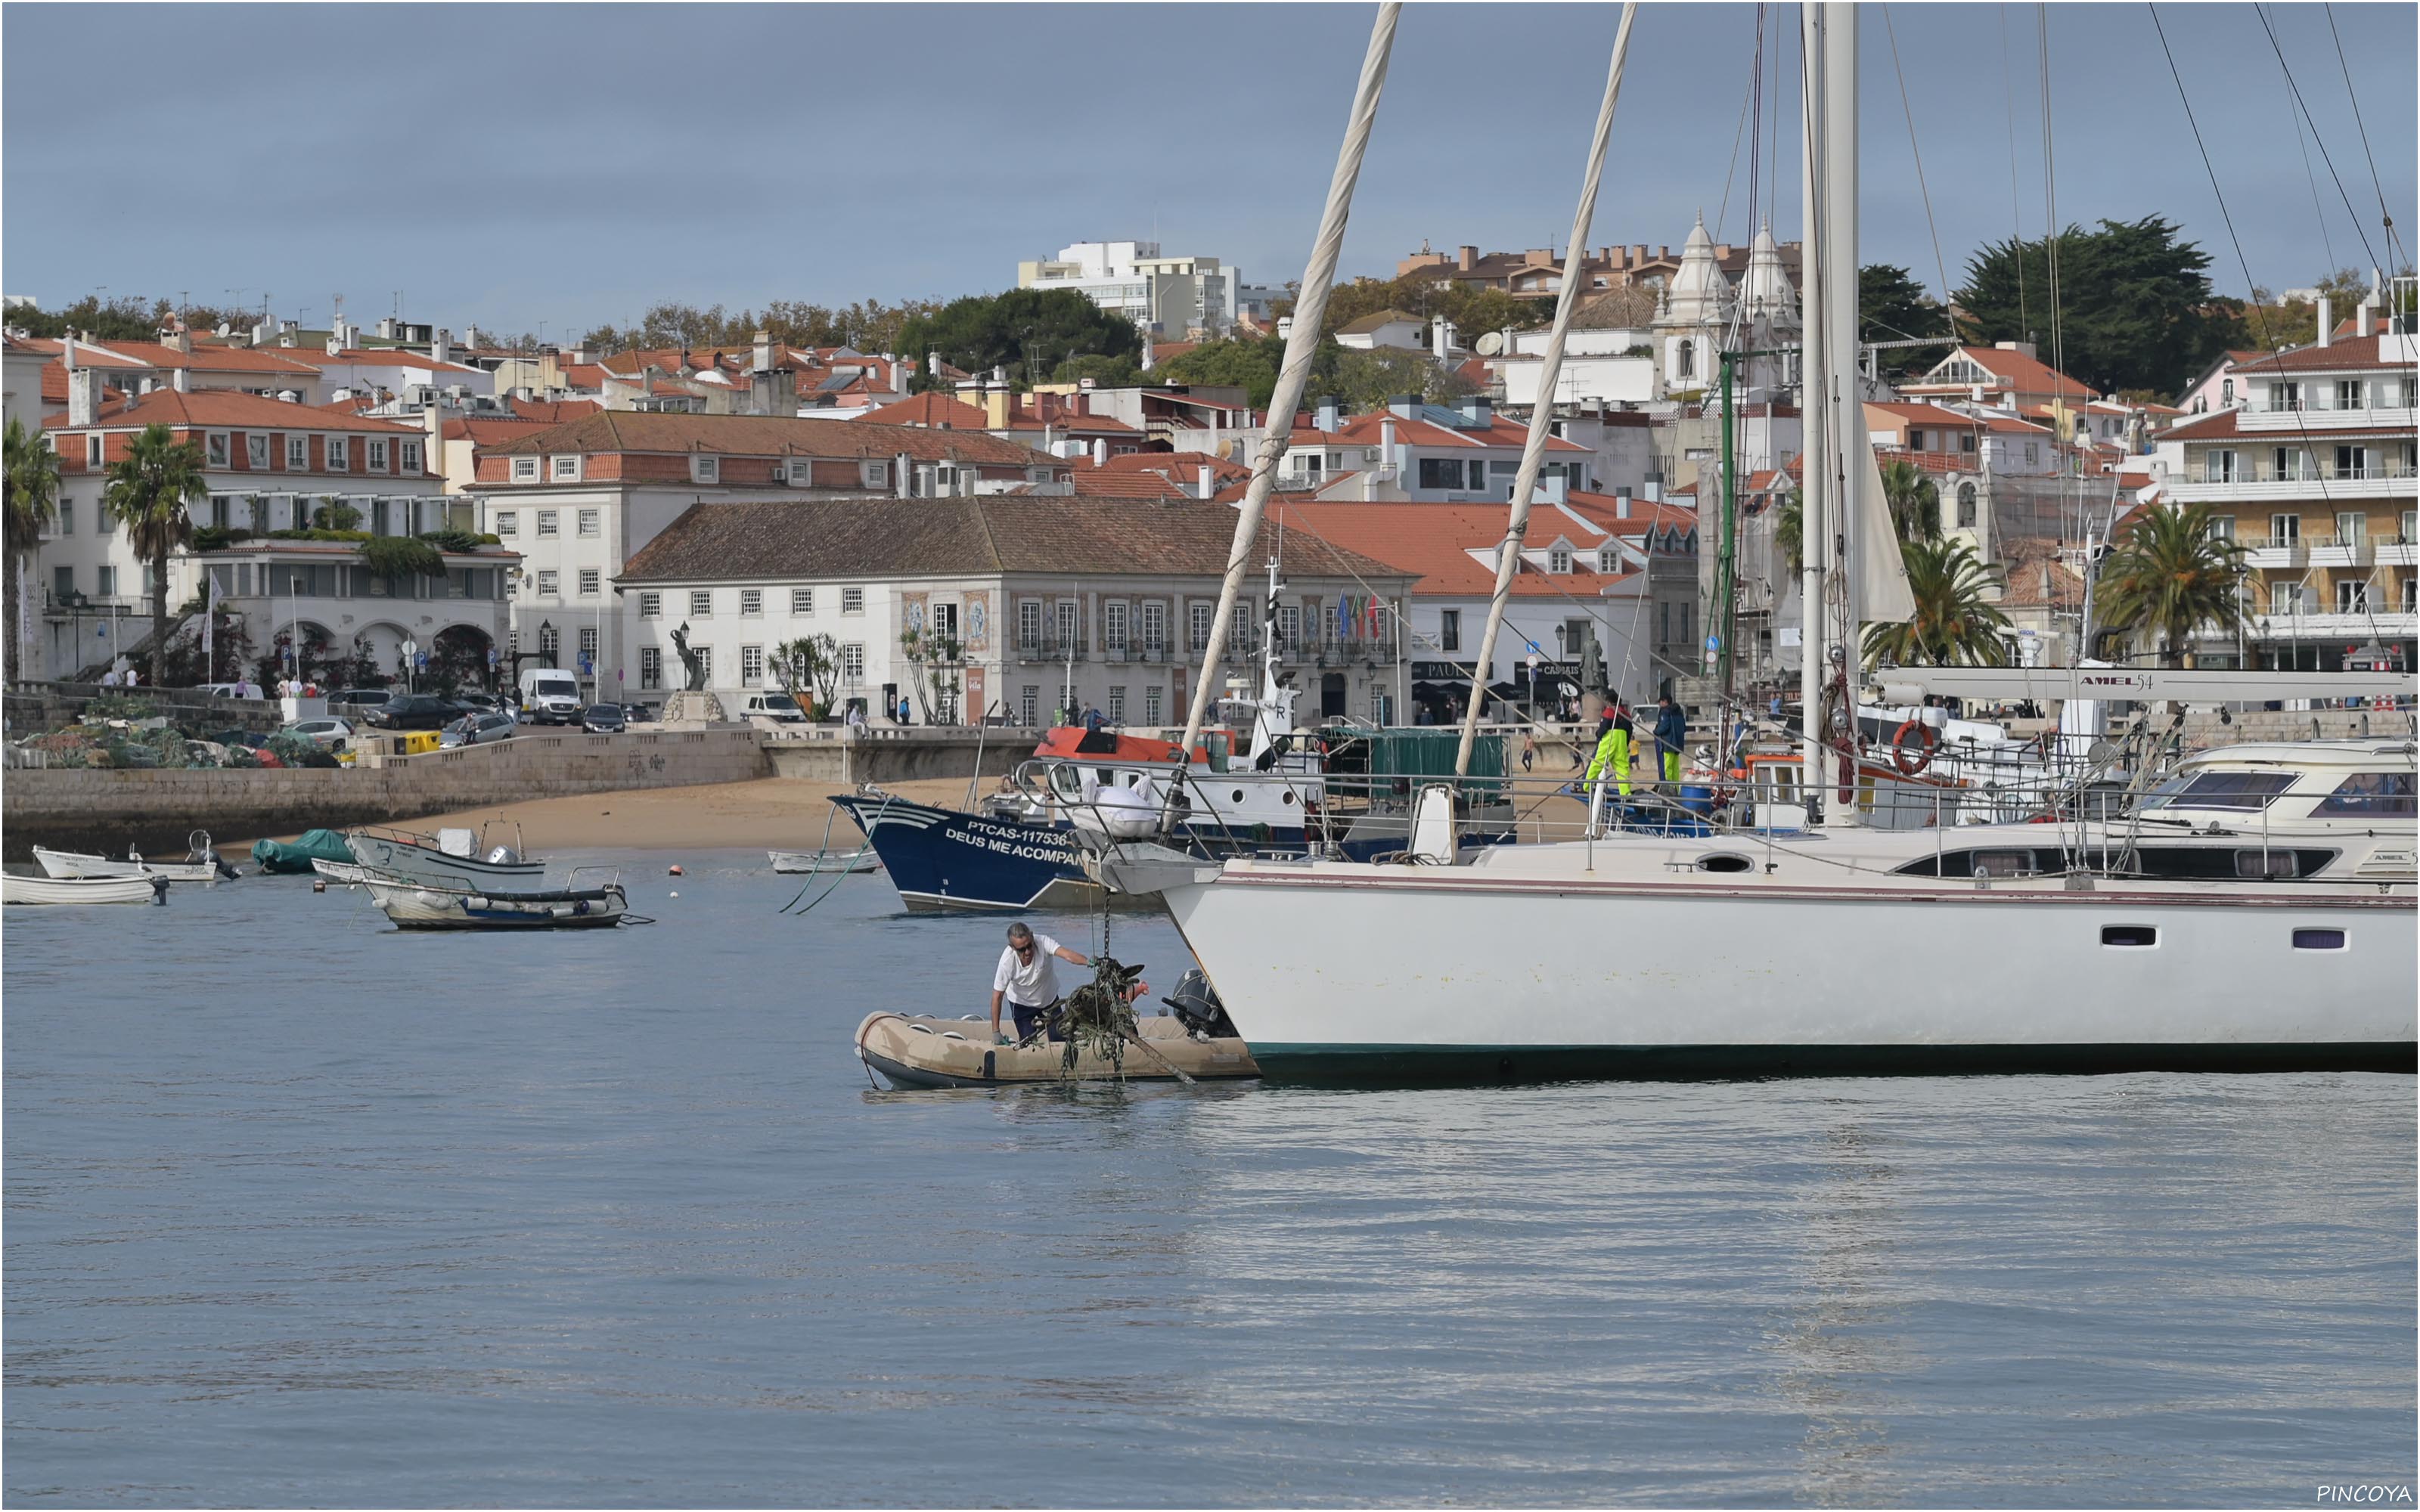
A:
1027, 981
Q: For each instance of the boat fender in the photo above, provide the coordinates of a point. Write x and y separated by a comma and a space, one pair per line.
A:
676, 871
578, 905
1913, 756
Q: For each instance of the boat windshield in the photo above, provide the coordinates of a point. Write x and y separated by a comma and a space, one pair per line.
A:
2243, 791
2371, 795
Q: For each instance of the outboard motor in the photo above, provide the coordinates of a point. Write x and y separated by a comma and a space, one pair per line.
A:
1197, 1007
504, 856
159, 892
226, 873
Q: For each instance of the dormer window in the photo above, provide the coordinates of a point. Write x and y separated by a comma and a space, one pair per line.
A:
704, 468
337, 459
564, 469
256, 453
376, 446
298, 454
1608, 560
1559, 559
524, 470
215, 448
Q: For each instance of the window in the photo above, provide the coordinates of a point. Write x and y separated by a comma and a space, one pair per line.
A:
2217, 465
1117, 704
705, 663
1113, 627
852, 601
2222, 527
802, 601
63, 581
2286, 396
65, 512
1200, 616
852, 663
92, 450
2226, 391
1686, 360
588, 522
2285, 530
546, 522
651, 667
564, 469
506, 521
2003, 864
873, 475
588, 584
1915, 439
1966, 442
945, 620
256, 453
1155, 630
2318, 939
1151, 706
1442, 472
751, 666
1028, 705
298, 454
2349, 394
651, 606
2352, 528
2353, 598
701, 603
2249, 791
1289, 624
1967, 513
411, 456
705, 469
339, 459
1449, 629
2129, 936
751, 603
1558, 559
524, 470
215, 448
1608, 560
1068, 623
549, 583
588, 648
2352, 461
376, 448
106, 581
2276, 866
2285, 598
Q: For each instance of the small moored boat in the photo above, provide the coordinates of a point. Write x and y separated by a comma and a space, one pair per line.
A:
27, 889
917, 1051
449, 859
201, 864
418, 906
825, 862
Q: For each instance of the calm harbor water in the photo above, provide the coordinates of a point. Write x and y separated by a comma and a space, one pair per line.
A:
301, 1211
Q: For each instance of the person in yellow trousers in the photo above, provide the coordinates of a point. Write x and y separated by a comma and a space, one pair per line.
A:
1671, 733
1613, 749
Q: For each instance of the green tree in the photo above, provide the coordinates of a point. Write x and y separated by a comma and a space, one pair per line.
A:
396, 557
1367, 380
1915, 502
1953, 624
126, 318
1105, 372
934, 660
151, 492
1428, 296
2169, 575
2136, 310
809, 671
1027, 331
1790, 532
1248, 363
33, 502
1893, 306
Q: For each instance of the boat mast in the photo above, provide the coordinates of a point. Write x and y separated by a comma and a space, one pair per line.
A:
1302, 344
1542, 412
1835, 453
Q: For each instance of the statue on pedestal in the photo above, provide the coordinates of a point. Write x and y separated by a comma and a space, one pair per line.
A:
692, 665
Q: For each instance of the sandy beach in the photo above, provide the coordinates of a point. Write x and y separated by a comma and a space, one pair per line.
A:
771, 814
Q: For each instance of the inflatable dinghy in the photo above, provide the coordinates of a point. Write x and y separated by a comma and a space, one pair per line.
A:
913, 1052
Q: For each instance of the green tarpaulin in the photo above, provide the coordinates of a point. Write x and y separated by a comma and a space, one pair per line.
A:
298, 853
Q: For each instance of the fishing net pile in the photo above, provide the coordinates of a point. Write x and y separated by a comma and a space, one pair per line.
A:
1099, 1016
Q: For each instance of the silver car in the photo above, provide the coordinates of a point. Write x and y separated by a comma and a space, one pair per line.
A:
476, 729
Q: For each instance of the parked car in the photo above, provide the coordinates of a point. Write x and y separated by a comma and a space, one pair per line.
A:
228, 691
322, 731
413, 711
477, 728
781, 707
357, 699
639, 713
603, 720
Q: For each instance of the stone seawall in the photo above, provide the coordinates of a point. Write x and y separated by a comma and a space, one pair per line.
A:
2204, 730
106, 810
884, 754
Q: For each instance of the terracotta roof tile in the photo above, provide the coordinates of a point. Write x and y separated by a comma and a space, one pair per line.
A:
228, 410
1436, 541
623, 430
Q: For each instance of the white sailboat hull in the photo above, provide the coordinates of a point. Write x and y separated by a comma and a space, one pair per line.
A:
22, 889
1389, 974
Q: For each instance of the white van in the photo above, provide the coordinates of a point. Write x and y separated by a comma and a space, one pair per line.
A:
780, 708
550, 696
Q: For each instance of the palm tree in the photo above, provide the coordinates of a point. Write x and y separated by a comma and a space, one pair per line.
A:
2170, 575
1790, 530
1915, 502
149, 491
1953, 625
33, 501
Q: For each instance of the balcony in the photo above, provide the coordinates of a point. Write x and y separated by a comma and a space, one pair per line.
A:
2342, 551
2335, 627
2321, 481
2270, 419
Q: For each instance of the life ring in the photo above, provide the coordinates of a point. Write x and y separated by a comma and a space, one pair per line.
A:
1911, 760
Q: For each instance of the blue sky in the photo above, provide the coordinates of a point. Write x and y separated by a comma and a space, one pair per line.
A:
511, 164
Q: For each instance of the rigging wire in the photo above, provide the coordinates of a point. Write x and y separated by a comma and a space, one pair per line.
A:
2263, 11
2386, 217
1739, 134
2319, 216
2227, 218
2049, 252
2016, 214
1939, 263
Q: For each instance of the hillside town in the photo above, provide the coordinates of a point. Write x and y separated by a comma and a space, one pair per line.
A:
1053, 538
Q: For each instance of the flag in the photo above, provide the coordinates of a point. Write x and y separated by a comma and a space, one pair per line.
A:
1343, 614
